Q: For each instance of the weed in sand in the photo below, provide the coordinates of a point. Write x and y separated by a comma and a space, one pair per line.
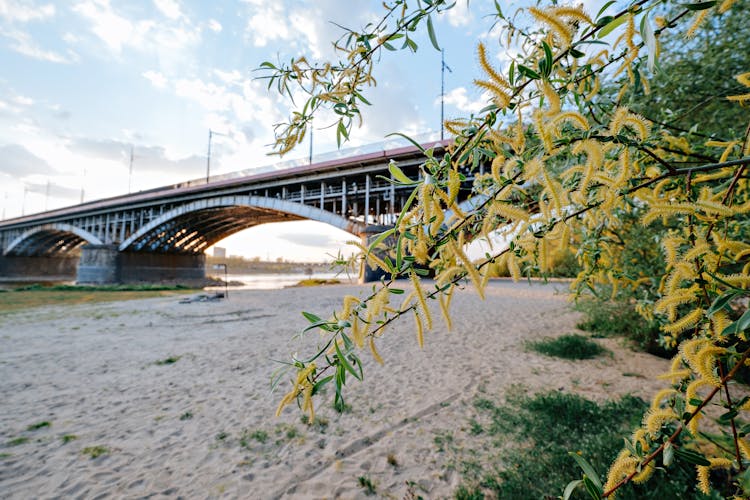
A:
443, 440
258, 435
39, 425
391, 459
67, 438
95, 451
187, 415
17, 441
367, 484
167, 361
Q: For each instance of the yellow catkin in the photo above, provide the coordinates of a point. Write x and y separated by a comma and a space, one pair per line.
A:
706, 360
499, 95
573, 117
623, 466
444, 305
494, 75
719, 322
697, 21
471, 270
726, 5
576, 13
553, 98
659, 397
420, 329
559, 27
421, 299
374, 351
357, 333
654, 419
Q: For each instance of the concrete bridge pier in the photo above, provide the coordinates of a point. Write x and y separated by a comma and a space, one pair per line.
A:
105, 264
366, 273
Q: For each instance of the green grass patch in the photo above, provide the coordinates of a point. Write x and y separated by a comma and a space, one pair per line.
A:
567, 347
28, 299
619, 318
39, 425
67, 438
248, 436
534, 435
169, 361
95, 451
17, 441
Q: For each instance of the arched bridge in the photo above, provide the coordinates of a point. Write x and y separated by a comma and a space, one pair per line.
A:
161, 234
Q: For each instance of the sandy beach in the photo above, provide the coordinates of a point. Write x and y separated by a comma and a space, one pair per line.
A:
175, 398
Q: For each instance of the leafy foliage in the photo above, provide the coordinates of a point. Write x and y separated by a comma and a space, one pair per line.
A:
567, 347
566, 165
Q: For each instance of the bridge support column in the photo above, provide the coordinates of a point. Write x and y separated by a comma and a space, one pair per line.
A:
366, 273
99, 264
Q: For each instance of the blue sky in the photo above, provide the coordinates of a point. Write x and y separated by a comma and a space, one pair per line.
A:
84, 80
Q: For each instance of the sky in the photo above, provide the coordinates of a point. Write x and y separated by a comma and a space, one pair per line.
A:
85, 82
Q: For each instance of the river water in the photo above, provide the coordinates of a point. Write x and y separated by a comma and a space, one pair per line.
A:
268, 281
273, 281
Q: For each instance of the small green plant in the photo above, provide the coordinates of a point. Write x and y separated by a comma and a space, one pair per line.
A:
567, 347
167, 361
221, 436
186, 416
442, 440
319, 423
39, 425
475, 428
67, 438
95, 451
17, 441
258, 435
367, 484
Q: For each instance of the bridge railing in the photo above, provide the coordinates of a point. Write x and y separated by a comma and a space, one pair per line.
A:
376, 147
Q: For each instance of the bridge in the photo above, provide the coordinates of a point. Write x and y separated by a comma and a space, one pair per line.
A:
161, 234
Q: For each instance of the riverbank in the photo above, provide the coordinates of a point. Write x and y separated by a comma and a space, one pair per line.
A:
150, 397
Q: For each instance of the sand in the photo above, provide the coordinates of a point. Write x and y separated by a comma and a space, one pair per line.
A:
202, 426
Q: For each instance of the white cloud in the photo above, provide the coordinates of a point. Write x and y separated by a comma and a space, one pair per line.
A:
23, 43
169, 8
268, 23
157, 79
25, 11
214, 25
119, 32
460, 15
459, 98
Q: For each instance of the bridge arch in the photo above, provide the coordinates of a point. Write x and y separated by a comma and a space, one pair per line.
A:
194, 226
50, 239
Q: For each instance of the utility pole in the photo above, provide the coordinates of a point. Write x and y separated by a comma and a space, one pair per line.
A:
311, 143
211, 133
208, 156
83, 178
46, 196
5, 203
443, 67
23, 204
130, 170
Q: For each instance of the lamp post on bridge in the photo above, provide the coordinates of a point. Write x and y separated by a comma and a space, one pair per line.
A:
226, 283
211, 133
